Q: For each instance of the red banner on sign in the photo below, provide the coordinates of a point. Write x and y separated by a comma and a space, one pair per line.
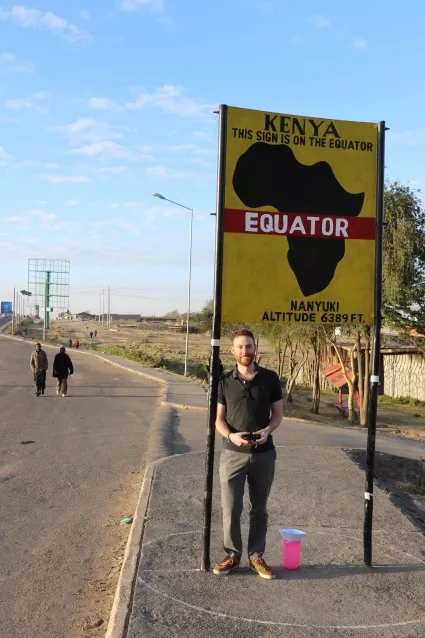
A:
298, 225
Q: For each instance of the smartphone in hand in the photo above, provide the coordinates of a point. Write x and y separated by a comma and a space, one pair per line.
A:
251, 437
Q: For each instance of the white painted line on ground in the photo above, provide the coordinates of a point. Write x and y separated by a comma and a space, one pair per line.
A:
219, 614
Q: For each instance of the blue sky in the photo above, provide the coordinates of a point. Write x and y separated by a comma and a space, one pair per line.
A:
103, 102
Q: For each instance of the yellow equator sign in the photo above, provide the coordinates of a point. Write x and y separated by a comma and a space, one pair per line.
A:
299, 219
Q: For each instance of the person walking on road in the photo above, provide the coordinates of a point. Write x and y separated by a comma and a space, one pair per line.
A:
95, 334
91, 335
70, 343
39, 365
62, 368
77, 344
250, 408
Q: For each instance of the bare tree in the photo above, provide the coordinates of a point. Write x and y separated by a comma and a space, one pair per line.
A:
298, 354
351, 382
363, 369
317, 347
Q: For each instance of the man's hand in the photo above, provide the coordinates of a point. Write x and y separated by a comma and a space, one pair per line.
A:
264, 436
236, 439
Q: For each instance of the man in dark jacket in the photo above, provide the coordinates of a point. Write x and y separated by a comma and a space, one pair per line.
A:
62, 367
39, 365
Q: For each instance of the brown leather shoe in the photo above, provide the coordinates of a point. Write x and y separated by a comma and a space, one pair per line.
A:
227, 565
260, 566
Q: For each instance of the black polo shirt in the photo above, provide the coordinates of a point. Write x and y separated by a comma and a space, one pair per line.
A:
248, 404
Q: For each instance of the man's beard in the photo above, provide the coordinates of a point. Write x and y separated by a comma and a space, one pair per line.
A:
246, 360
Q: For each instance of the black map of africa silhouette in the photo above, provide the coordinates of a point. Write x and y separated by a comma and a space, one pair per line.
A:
270, 175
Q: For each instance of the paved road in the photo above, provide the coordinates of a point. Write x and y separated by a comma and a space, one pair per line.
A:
58, 491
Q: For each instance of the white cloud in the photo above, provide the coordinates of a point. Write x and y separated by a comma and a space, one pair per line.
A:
176, 148
164, 172
24, 221
172, 99
359, 43
320, 22
3, 154
68, 227
72, 202
15, 219
103, 104
31, 103
100, 148
48, 21
9, 63
106, 148
134, 5
87, 129
33, 163
115, 222
66, 179
112, 170
84, 14
42, 215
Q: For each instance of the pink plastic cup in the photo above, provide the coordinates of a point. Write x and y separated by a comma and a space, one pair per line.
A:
291, 547
291, 554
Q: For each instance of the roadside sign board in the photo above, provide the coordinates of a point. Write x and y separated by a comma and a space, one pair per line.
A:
6, 307
299, 219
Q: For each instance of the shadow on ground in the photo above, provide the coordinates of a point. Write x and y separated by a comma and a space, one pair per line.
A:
402, 479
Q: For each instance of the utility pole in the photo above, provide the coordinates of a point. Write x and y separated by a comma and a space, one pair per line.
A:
103, 308
45, 311
100, 308
13, 313
109, 307
48, 299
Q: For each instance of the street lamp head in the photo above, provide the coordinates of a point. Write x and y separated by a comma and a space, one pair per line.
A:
158, 195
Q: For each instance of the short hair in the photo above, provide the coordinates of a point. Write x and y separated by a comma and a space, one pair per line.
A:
243, 333
38, 344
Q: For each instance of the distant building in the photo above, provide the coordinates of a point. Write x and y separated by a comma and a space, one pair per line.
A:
119, 317
140, 318
85, 316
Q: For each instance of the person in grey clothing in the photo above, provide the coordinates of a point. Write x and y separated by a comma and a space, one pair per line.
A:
249, 409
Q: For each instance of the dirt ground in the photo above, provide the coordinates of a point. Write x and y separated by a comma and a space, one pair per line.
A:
95, 598
407, 419
402, 479
121, 334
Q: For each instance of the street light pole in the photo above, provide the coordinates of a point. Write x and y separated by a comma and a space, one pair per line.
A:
13, 312
186, 357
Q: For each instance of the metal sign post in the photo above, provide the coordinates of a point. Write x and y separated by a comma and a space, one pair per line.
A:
376, 355
215, 342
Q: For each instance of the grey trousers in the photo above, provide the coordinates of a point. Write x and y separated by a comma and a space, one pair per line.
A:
235, 469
